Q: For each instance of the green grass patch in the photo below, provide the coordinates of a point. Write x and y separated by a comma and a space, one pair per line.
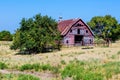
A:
8, 77
114, 56
111, 68
17, 77
63, 62
118, 52
27, 77
36, 67
3, 65
79, 70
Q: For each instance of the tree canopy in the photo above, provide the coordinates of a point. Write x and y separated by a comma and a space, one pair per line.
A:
105, 27
36, 34
5, 36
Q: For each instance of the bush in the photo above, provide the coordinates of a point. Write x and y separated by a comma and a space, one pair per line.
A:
63, 62
7, 76
46, 67
1, 76
3, 65
118, 52
26, 67
5, 36
27, 77
55, 70
98, 40
35, 67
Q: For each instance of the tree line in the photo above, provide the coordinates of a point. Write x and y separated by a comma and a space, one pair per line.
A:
6, 36
105, 27
39, 33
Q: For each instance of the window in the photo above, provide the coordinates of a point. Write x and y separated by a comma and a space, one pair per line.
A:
67, 41
90, 41
78, 31
71, 31
86, 31
79, 25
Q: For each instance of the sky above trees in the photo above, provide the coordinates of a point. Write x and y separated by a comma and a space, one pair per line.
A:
12, 11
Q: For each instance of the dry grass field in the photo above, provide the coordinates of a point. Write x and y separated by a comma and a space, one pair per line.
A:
60, 58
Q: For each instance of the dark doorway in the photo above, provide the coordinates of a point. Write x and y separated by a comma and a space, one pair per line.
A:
78, 38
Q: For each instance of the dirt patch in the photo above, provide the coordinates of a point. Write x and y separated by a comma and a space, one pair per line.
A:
41, 75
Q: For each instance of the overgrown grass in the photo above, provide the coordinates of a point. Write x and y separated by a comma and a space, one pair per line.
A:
3, 65
78, 70
40, 67
111, 68
63, 62
118, 52
8, 77
17, 77
27, 77
36, 67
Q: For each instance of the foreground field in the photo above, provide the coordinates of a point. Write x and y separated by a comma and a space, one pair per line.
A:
73, 63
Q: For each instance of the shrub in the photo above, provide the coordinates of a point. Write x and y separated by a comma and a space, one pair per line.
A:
3, 65
63, 62
9, 76
98, 40
35, 67
27, 77
5, 36
46, 67
55, 70
118, 52
26, 67
113, 56
1, 76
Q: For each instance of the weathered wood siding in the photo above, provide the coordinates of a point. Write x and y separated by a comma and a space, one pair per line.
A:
87, 35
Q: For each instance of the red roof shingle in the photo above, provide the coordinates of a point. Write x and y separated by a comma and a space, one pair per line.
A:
65, 25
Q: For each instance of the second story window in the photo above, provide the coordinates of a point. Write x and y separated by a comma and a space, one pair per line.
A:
71, 31
86, 31
78, 31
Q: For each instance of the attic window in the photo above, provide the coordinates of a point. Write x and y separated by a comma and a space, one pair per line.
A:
86, 31
79, 25
71, 31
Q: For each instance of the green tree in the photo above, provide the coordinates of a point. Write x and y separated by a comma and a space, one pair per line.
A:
105, 27
5, 36
36, 34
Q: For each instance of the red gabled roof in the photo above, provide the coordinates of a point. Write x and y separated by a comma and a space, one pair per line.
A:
65, 25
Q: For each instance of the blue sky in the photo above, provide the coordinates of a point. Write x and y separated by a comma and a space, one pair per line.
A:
12, 11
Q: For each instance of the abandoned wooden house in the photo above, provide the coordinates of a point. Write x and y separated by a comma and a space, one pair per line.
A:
75, 32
